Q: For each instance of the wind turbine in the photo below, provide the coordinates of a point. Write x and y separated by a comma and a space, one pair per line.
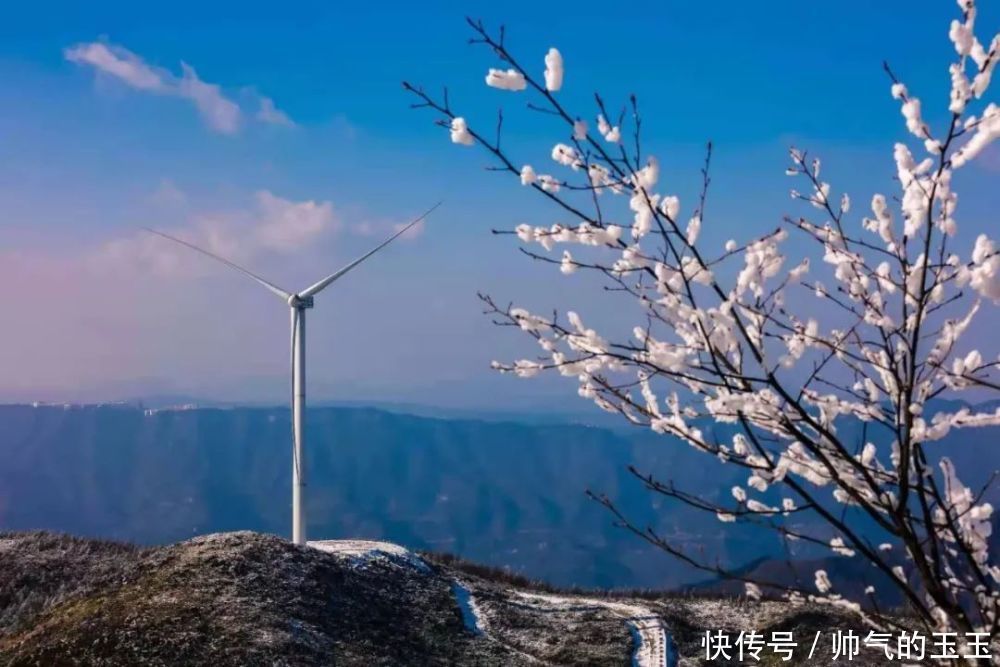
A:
298, 303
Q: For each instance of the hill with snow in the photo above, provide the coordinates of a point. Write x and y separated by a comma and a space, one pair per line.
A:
251, 599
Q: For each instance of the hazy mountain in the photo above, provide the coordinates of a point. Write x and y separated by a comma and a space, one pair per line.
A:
501, 493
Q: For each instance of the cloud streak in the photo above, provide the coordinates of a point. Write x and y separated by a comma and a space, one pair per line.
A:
258, 228
268, 113
219, 112
286, 226
271, 225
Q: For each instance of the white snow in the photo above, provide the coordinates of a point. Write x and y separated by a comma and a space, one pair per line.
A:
472, 617
359, 552
650, 644
649, 634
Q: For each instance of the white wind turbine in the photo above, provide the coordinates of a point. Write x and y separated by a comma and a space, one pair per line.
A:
298, 302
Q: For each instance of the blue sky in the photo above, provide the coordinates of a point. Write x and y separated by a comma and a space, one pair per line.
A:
85, 159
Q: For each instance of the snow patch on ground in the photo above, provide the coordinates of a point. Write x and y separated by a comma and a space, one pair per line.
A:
735, 614
650, 647
649, 636
361, 552
471, 615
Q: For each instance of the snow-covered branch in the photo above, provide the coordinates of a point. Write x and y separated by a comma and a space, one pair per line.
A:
717, 342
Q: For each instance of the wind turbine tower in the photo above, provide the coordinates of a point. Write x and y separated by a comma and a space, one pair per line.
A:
298, 303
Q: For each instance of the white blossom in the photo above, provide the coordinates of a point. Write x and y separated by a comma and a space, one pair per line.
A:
914, 119
567, 265
548, 183
566, 155
509, 79
984, 276
693, 229
460, 132
526, 368
987, 131
837, 544
528, 175
553, 70
732, 340
670, 206
611, 134
647, 176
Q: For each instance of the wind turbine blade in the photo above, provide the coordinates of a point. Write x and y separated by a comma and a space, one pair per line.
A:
321, 285
249, 274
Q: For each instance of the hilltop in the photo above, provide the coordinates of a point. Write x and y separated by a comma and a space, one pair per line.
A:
251, 599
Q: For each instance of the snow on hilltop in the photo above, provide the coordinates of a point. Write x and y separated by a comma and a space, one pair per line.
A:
361, 552
647, 631
248, 598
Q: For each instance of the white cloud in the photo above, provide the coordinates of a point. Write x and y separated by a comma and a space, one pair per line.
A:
218, 111
261, 234
412, 233
271, 114
271, 225
168, 195
285, 225
364, 228
221, 113
384, 228
120, 63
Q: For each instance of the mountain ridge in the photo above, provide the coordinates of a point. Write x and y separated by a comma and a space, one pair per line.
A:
502, 493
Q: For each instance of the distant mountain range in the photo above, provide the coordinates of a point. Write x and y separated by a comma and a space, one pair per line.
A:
502, 493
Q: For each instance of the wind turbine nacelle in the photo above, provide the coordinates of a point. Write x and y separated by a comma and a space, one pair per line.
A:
296, 301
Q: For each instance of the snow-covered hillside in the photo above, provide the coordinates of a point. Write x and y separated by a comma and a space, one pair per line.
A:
247, 599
